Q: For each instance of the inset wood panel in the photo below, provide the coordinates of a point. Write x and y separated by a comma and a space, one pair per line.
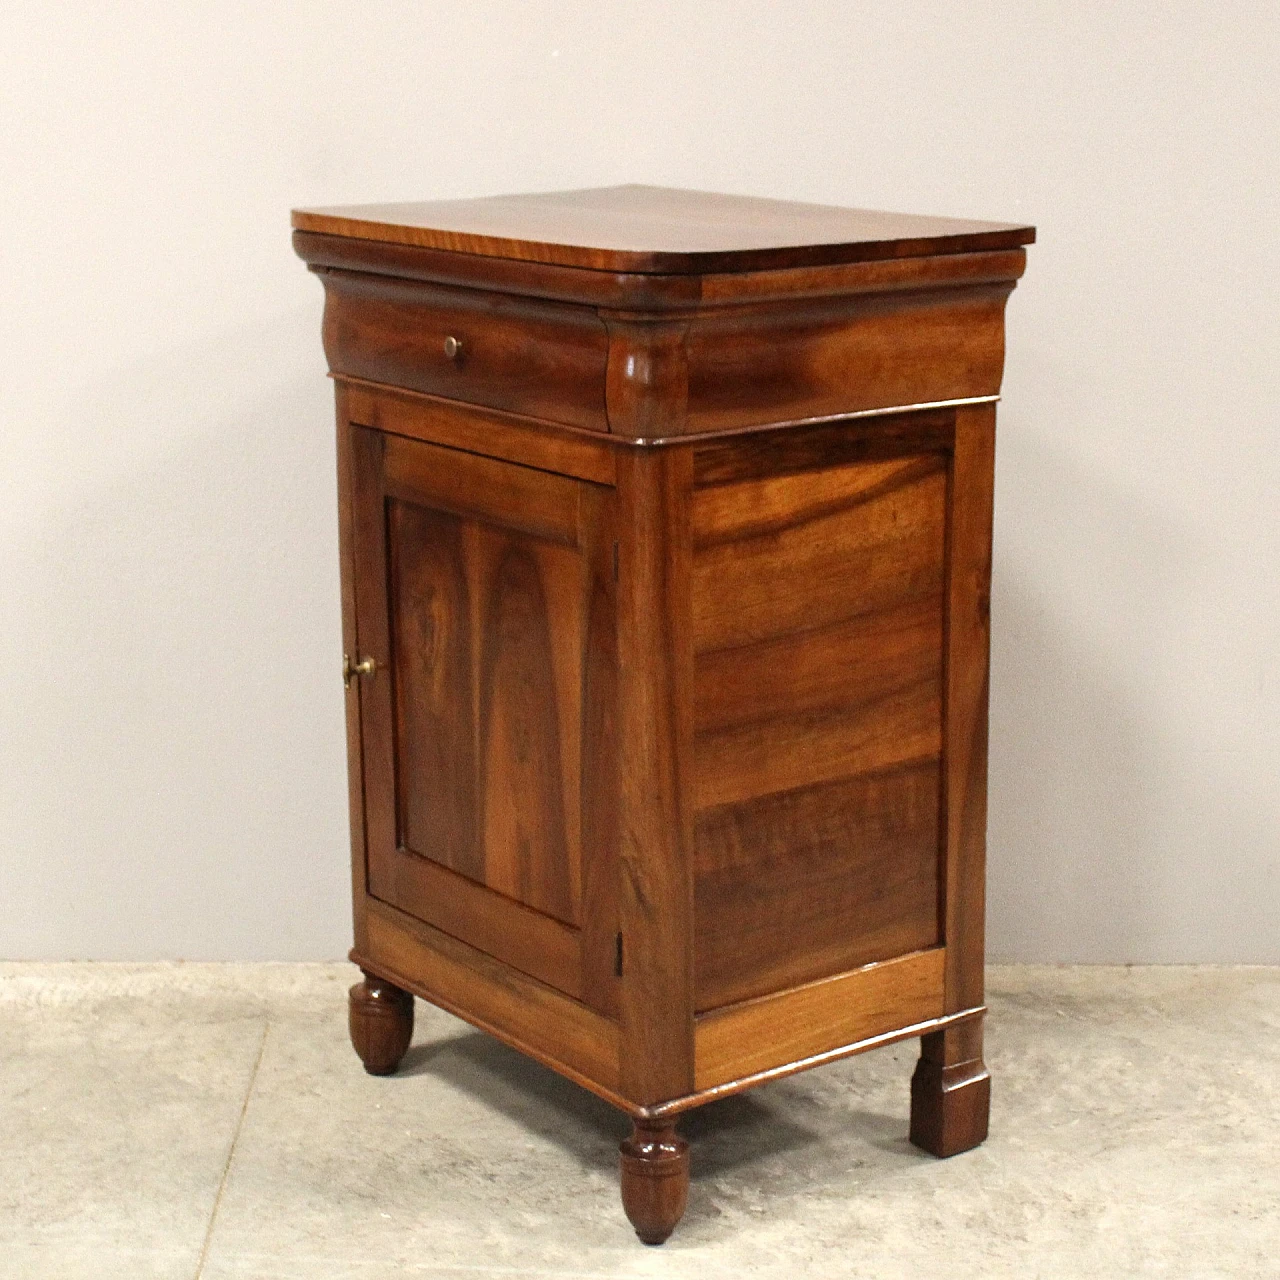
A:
818, 630
487, 728
818, 1017
810, 707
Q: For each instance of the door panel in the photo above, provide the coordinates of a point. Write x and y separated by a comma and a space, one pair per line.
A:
484, 600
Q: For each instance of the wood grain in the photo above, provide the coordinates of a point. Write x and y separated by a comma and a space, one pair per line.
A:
532, 941
655, 1179
487, 589
965, 734
380, 1021
814, 448
655, 704
950, 1091
659, 229
818, 625
542, 359
373, 624
752, 365
787, 555
668, 579
599, 750
741, 1039
506, 496
708, 353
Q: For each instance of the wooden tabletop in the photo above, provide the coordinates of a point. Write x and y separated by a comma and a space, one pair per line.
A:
660, 230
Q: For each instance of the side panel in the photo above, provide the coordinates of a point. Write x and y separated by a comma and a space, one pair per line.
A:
818, 623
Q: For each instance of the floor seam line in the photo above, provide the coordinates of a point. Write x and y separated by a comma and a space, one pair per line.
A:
231, 1152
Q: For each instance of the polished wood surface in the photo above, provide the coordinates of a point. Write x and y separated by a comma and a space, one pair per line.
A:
380, 1018
351, 645
766, 363
480, 599
660, 230
655, 1179
544, 359
655, 662
665, 533
490, 433
780, 1070
817, 632
845, 339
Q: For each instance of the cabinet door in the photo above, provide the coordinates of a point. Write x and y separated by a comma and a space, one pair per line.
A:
485, 595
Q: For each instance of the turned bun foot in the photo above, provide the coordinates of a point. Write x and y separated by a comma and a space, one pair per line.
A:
950, 1092
655, 1179
381, 1021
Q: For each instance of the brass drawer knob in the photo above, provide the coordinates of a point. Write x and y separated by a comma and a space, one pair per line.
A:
452, 347
350, 670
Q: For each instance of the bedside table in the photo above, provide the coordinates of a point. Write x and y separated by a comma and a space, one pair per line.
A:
666, 546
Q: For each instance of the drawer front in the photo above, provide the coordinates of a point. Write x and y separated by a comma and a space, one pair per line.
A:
543, 359
484, 595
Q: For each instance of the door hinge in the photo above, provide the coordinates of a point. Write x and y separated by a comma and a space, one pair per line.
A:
617, 956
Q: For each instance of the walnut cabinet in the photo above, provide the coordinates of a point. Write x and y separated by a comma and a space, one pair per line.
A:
666, 541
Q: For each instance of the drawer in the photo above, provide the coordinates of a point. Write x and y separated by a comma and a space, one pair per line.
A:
543, 359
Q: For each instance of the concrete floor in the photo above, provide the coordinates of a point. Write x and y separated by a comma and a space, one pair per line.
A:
199, 1122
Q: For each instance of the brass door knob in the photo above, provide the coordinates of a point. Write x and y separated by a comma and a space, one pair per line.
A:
350, 670
452, 347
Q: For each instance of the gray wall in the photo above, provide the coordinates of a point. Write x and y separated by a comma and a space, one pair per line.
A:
170, 709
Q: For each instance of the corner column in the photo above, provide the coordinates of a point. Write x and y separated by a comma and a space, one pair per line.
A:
654, 734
